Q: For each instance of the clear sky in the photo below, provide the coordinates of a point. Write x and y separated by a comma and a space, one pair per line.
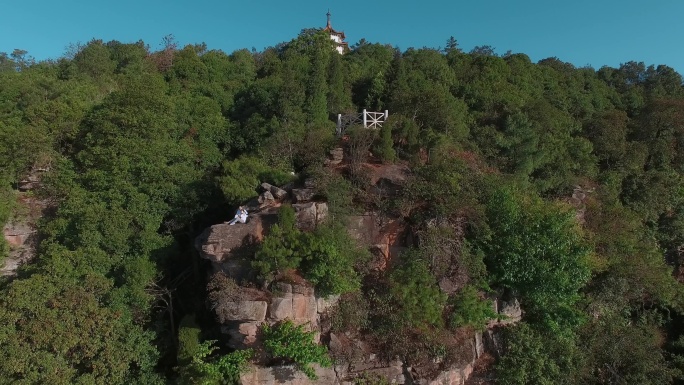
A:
582, 32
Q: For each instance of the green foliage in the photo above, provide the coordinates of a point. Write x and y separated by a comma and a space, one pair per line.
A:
280, 249
241, 178
415, 290
207, 368
625, 350
441, 189
536, 249
148, 140
188, 340
351, 313
384, 149
534, 356
324, 256
66, 331
470, 309
329, 259
290, 342
337, 191
7, 200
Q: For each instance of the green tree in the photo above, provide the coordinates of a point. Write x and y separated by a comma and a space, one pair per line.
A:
536, 249
471, 310
534, 356
289, 342
280, 249
415, 290
329, 259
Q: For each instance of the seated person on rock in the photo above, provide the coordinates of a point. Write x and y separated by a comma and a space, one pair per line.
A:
240, 216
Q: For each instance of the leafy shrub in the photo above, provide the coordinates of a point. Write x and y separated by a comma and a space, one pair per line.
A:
6, 203
241, 178
532, 356
384, 148
291, 343
280, 248
324, 256
329, 257
415, 290
470, 309
336, 190
188, 339
205, 369
537, 249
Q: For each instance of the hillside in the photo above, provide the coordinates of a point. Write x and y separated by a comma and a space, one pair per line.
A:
520, 221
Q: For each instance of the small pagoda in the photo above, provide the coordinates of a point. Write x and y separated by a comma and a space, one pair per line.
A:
338, 37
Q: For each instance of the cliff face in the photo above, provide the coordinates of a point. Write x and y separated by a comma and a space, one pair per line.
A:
242, 311
20, 232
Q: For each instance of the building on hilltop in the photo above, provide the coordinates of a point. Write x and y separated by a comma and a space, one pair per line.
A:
338, 37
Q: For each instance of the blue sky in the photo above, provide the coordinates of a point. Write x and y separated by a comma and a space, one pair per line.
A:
582, 32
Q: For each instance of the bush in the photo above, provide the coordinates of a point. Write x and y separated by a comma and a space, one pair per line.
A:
536, 357
329, 257
415, 290
188, 339
384, 149
280, 248
241, 178
471, 310
205, 369
291, 343
336, 190
536, 249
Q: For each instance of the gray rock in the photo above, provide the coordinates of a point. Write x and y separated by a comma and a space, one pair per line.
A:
302, 195
323, 304
287, 375
244, 336
241, 311
310, 215
265, 198
277, 192
511, 311
281, 309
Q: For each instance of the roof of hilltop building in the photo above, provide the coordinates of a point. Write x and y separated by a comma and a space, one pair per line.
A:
330, 29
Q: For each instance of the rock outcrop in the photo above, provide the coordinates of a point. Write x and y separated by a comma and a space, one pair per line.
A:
21, 233
310, 215
230, 248
302, 195
242, 317
280, 375
244, 311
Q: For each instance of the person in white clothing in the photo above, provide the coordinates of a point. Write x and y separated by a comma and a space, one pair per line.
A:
240, 216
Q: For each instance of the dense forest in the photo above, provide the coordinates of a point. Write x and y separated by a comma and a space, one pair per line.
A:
140, 150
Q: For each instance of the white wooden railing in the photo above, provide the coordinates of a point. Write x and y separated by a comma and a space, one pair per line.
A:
368, 119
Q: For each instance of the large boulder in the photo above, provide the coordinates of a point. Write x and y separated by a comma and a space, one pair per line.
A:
310, 215
277, 192
230, 248
510, 310
220, 242
17, 234
295, 302
242, 311
244, 335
